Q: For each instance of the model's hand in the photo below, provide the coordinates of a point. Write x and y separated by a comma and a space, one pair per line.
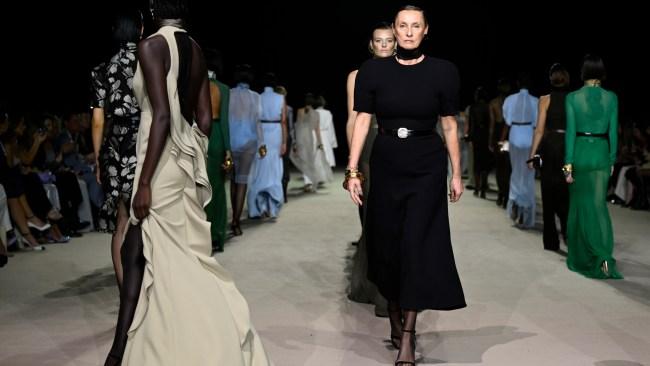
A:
227, 162
531, 166
142, 201
356, 192
455, 189
283, 149
569, 179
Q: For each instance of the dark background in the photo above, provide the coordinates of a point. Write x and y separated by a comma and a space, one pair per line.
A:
49, 48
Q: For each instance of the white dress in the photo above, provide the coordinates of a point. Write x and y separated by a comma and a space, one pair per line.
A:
189, 311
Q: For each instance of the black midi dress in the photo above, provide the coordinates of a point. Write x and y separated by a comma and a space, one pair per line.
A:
410, 257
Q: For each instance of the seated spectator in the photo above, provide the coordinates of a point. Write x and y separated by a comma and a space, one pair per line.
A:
71, 145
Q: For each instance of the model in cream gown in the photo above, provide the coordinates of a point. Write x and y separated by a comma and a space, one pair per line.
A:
189, 311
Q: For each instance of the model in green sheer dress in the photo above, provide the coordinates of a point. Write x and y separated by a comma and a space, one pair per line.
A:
591, 140
218, 152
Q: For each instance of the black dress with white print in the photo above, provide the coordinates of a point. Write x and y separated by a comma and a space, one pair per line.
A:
112, 90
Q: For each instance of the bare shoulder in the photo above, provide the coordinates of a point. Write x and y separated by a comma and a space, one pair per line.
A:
153, 45
544, 99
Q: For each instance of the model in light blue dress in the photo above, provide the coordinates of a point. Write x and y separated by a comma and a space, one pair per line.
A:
520, 113
265, 195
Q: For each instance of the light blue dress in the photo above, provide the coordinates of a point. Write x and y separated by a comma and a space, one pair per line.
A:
245, 131
520, 113
265, 194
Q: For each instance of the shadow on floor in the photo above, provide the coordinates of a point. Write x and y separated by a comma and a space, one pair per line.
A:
617, 363
635, 285
93, 282
452, 346
67, 353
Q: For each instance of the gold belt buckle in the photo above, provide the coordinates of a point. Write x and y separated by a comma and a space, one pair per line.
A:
402, 132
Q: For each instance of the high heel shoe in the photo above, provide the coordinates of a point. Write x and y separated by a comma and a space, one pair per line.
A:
44, 227
399, 362
28, 245
604, 267
236, 229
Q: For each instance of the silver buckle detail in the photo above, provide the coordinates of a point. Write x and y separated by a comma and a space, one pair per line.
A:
402, 132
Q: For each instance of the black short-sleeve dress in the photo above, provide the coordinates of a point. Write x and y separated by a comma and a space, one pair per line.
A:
112, 90
410, 257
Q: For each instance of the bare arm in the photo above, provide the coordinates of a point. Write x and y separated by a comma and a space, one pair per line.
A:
215, 100
352, 114
361, 126
542, 108
359, 133
154, 61
449, 128
97, 129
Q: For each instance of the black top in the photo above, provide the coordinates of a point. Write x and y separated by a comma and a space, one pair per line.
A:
479, 122
411, 96
112, 84
556, 114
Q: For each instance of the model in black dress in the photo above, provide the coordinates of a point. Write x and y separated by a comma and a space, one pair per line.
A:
410, 257
114, 100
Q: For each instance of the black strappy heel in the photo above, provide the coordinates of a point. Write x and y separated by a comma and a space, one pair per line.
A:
398, 362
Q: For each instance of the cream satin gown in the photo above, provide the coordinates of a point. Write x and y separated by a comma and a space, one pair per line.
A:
189, 311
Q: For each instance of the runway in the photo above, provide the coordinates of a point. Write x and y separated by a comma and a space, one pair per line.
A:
525, 307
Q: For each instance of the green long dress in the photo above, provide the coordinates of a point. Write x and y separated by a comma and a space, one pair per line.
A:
217, 211
590, 239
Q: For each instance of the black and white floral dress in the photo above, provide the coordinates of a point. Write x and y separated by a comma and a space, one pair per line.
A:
112, 90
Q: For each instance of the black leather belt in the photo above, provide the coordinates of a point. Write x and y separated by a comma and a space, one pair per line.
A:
591, 134
403, 132
267, 121
522, 123
557, 131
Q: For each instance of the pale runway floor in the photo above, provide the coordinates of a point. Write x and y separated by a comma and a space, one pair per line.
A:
59, 307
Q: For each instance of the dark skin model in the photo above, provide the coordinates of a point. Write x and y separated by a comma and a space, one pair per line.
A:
155, 62
154, 59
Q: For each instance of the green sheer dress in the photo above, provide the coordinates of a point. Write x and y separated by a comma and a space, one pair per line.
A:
594, 110
217, 211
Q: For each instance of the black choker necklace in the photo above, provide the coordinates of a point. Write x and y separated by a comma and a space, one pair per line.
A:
404, 54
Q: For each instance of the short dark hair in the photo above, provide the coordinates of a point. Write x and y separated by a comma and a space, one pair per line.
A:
523, 80
593, 67
480, 94
310, 100
559, 76
269, 79
170, 9
413, 7
214, 60
127, 27
244, 74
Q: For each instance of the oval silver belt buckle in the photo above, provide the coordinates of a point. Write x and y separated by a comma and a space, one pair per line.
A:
402, 132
